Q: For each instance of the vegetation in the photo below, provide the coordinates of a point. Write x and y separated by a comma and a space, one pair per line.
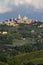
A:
22, 45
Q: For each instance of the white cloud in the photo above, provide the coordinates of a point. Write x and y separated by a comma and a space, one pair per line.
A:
6, 5
38, 4
21, 2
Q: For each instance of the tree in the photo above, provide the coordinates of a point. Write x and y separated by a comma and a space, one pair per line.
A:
30, 63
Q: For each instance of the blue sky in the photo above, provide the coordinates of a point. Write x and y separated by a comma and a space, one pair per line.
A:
31, 8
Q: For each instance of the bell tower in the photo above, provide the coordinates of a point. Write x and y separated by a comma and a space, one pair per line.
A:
19, 17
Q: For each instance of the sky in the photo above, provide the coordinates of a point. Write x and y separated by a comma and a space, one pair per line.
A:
33, 9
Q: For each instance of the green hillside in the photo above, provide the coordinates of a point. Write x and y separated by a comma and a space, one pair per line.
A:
22, 45
22, 34
32, 58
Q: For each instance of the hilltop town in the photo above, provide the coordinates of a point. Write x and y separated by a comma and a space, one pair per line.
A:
15, 21
21, 40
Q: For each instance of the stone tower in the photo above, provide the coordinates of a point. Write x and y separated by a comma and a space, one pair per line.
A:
25, 18
19, 17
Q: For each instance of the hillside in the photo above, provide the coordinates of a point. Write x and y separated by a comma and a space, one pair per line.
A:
33, 57
8, 57
21, 44
22, 33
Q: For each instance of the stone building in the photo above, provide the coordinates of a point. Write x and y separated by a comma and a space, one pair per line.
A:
1, 23
19, 19
14, 21
26, 20
10, 22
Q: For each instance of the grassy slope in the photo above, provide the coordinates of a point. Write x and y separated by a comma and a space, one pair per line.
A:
3, 63
35, 57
